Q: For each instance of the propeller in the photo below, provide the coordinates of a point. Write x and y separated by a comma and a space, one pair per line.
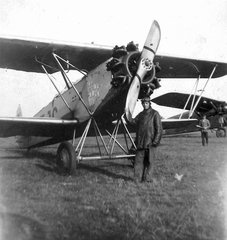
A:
145, 65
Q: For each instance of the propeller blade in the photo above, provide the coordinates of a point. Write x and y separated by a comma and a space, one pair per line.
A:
145, 64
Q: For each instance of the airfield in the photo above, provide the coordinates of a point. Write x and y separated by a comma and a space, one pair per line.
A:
187, 200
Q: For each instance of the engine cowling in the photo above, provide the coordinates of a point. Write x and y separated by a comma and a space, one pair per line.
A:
222, 108
124, 65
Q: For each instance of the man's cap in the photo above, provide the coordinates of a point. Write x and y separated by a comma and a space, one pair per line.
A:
145, 99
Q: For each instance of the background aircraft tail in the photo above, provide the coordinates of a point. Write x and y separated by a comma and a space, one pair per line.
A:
19, 111
20, 140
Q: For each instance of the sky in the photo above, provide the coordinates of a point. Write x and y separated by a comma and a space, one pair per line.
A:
194, 29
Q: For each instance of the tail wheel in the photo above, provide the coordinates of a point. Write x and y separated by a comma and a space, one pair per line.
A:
66, 159
221, 132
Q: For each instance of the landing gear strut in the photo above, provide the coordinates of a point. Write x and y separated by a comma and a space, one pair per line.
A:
68, 157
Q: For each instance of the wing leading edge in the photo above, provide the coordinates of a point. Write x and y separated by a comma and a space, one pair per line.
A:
25, 54
45, 127
180, 67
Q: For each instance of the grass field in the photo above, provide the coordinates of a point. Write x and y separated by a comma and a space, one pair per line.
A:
102, 202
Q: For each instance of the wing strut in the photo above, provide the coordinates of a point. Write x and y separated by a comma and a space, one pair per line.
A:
66, 79
71, 65
57, 89
63, 72
194, 87
196, 104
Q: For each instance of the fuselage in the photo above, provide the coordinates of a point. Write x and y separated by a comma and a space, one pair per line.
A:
98, 98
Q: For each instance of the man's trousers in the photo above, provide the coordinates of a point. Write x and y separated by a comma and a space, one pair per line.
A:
144, 164
204, 136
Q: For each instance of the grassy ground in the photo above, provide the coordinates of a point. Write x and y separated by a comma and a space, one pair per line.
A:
102, 202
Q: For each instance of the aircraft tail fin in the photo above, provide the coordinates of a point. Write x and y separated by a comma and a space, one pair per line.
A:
19, 111
19, 139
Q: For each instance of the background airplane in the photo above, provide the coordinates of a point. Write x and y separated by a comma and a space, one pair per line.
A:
100, 97
195, 107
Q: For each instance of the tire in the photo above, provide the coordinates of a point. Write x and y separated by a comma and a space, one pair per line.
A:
221, 132
66, 159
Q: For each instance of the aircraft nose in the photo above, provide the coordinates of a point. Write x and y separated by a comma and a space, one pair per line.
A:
225, 107
222, 108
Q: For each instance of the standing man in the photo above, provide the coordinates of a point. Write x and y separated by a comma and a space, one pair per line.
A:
148, 136
221, 120
205, 125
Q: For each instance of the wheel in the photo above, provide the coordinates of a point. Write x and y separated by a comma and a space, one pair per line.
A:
66, 159
221, 132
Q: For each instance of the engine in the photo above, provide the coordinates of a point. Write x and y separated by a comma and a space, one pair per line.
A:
222, 108
123, 67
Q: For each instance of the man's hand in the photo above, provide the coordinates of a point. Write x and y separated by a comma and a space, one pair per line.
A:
154, 144
129, 117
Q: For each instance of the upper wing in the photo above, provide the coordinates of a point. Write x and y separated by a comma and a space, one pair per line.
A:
178, 100
25, 55
45, 127
179, 67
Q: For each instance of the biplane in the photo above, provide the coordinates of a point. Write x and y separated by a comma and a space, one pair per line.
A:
95, 105
195, 106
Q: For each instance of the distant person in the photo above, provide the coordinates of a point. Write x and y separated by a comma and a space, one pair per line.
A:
221, 121
205, 125
148, 136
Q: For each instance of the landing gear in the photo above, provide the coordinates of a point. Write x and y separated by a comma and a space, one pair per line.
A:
66, 159
221, 132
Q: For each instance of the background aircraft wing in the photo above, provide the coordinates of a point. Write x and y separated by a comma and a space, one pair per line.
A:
173, 124
178, 100
25, 54
45, 127
178, 126
178, 123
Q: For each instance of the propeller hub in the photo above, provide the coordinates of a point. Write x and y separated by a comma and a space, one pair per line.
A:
147, 64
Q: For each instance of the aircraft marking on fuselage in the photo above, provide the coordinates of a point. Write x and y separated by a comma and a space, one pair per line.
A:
93, 92
51, 112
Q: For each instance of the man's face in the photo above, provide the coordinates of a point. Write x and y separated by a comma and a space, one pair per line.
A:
146, 105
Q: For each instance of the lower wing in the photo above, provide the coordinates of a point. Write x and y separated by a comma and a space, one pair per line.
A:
178, 123
45, 127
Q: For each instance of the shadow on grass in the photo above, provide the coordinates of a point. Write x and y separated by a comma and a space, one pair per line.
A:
50, 168
99, 170
17, 227
47, 156
47, 160
11, 157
